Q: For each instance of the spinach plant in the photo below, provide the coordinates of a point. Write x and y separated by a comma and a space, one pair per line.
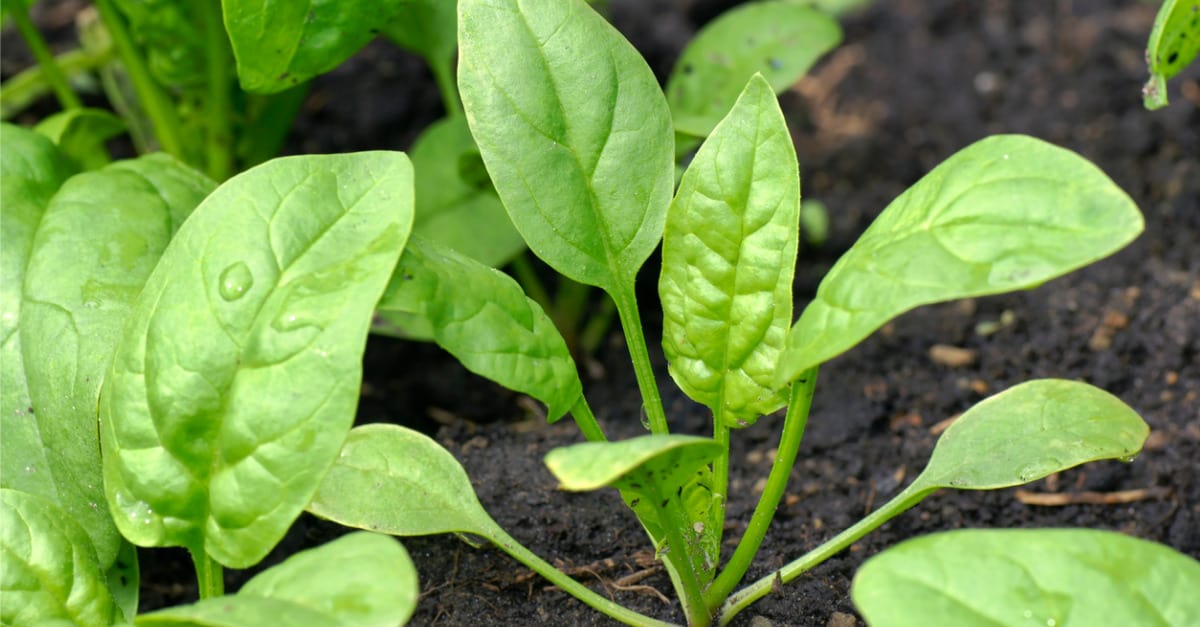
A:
1174, 43
216, 333
579, 142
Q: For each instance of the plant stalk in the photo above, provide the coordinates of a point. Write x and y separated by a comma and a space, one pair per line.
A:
799, 404
218, 144
155, 103
443, 75
582, 413
66, 96
631, 323
907, 498
518, 552
210, 575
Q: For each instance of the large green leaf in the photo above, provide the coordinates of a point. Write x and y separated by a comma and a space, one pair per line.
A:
282, 44
483, 318
100, 237
1055, 577
777, 39
1174, 43
1006, 213
50, 568
31, 171
238, 375
729, 253
574, 131
455, 202
416, 487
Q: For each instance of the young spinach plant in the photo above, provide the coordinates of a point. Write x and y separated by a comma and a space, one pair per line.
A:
579, 142
218, 333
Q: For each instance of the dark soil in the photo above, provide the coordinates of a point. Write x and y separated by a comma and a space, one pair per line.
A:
913, 83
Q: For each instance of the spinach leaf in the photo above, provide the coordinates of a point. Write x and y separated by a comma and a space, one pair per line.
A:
453, 208
482, 317
100, 237
992, 218
31, 171
780, 40
282, 44
50, 568
574, 130
1034, 576
172, 36
81, 133
1174, 43
729, 253
237, 378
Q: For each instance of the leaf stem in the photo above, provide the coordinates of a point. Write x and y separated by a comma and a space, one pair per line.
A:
631, 323
716, 518
32, 83
907, 498
582, 413
154, 101
443, 75
518, 552
218, 145
66, 96
210, 575
678, 553
799, 404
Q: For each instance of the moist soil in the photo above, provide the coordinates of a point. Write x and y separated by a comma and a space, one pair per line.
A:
912, 83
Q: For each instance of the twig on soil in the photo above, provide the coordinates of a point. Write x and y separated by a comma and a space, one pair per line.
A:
1050, 499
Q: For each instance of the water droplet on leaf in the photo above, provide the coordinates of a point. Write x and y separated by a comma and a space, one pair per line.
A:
291, 320
235, 281
1128, 458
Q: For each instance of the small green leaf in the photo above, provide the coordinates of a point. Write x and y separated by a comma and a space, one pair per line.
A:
1056, 577
239, 611
416, 487
31, 171
670, 459
80, 133
777, 39
281, 44
171, 35
1007, 213
1030, 431
665, 479
574, 130
50, 568
124, 580
374, 582
1174, 43
482, 317
729, 253
100, 237
428, 28
452, 210
237, 378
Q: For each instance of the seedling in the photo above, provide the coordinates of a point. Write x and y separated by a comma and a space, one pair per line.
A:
578, 140
1174, 43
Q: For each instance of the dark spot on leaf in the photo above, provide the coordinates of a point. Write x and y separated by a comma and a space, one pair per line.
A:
688, 68
679, 491
124, 581
634, 502
30, 409
775, 64
1173, 57
664, 503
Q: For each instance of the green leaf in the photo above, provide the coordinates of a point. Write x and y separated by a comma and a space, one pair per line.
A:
1030, 431
729, 253
50, 568
1174, 43
574, 130
282, 44
427, 27
482, 317
1006, 213
100, 237
375, 582
31, 171
777, 39
665, 479
239, 611
416, 487
1062, 577
238, 375
456, 210
170, 33
81, 133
